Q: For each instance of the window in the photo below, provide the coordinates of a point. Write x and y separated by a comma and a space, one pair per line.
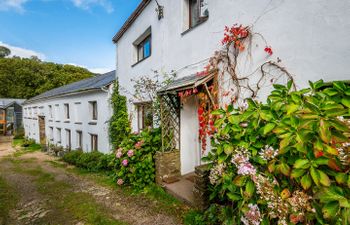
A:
77, 111
50, 111
93, 142
197, 12
93, 110
144, 49
79, 139
68, 139
51, 133
66, 111
58, 135
144, 115
57, 112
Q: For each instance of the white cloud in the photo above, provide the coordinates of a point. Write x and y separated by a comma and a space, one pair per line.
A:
87, 4
22, 52
98, 70
12, 5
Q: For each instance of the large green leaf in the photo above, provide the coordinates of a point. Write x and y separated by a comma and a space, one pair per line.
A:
297, 173
346, 101
302, 164
324, 179
291, 108
341, 178
315, 175
284, 169
268, 128
306, 181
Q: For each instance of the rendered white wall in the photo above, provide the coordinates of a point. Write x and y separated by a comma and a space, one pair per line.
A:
84, 116
311, 37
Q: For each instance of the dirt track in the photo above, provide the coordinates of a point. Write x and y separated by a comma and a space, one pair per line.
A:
48, 192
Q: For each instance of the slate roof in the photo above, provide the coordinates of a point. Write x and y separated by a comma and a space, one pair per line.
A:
5, 102
93, 83
187, 82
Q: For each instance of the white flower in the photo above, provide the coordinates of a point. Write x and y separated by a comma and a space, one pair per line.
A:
268, 153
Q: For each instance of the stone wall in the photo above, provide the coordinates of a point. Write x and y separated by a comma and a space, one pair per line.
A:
200, 189
167, 166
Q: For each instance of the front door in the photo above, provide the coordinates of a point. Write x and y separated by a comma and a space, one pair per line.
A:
42, 133
2, 121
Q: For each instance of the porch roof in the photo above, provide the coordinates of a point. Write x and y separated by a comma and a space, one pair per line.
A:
185, 83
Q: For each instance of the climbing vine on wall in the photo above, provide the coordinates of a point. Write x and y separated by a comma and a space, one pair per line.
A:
119, 125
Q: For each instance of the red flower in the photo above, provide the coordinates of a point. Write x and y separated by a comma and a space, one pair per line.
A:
318, 154
268, 50
200, 111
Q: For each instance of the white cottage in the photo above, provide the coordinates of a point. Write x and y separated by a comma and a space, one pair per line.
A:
74, 116
309, 36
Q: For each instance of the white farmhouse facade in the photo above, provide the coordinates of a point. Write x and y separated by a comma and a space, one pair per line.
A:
74, 116
310, 37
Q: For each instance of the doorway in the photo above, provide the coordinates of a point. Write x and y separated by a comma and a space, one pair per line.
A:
42, 134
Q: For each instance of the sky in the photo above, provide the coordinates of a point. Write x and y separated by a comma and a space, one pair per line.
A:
77, 32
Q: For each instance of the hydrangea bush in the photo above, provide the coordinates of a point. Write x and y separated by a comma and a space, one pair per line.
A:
285, 161
134, 159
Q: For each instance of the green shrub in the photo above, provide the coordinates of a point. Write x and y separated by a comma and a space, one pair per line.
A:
28, 142
283, 162
134, 161
91, 161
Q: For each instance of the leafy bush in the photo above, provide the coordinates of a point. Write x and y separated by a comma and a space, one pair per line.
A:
28, 142
135, 159
283, 162
91, 161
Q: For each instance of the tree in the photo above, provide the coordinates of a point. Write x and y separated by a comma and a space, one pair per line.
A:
26, 78
4, 52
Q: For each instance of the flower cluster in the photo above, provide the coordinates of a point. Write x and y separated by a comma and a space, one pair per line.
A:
235, 35
252, 216
344, 154
119, 153
241, 160
268, 153
125, 162
216, 172
120, 182
268, 50
139, 144
188, 92
130, 153
300, 203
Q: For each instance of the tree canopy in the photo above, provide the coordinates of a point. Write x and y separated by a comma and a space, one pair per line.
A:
26, 78
4, 52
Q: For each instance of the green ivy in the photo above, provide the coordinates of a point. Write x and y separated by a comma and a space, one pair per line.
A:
119, 125
307, 129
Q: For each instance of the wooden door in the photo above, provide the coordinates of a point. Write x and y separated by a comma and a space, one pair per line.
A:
42, 133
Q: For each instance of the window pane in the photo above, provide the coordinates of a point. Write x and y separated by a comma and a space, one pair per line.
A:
148, 120
147, 48
140, 52
194, 12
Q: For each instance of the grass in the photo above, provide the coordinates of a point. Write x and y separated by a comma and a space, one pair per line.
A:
8, 200
32, 147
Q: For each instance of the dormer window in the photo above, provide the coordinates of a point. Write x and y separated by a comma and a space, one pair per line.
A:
143, 46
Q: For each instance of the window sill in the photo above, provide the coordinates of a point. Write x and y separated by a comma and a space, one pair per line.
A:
92, 123
50, 120
195, 26
78, 123
57, 121
66, 121
140, 61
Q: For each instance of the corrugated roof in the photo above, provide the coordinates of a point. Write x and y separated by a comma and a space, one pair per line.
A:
5, 102
187, 82
96, 82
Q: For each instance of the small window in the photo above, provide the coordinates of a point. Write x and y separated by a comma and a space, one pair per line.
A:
93, 110
144, 115
198, 12
94, 142
58, 135
144, 49
77, 111
66, 111
68, 139
79, 139
50, 111
57, 112
51, 133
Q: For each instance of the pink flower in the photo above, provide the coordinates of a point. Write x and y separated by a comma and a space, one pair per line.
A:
125, 162
120, 182
130, 153
119, 153
136, 133
139, 144
246, 169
